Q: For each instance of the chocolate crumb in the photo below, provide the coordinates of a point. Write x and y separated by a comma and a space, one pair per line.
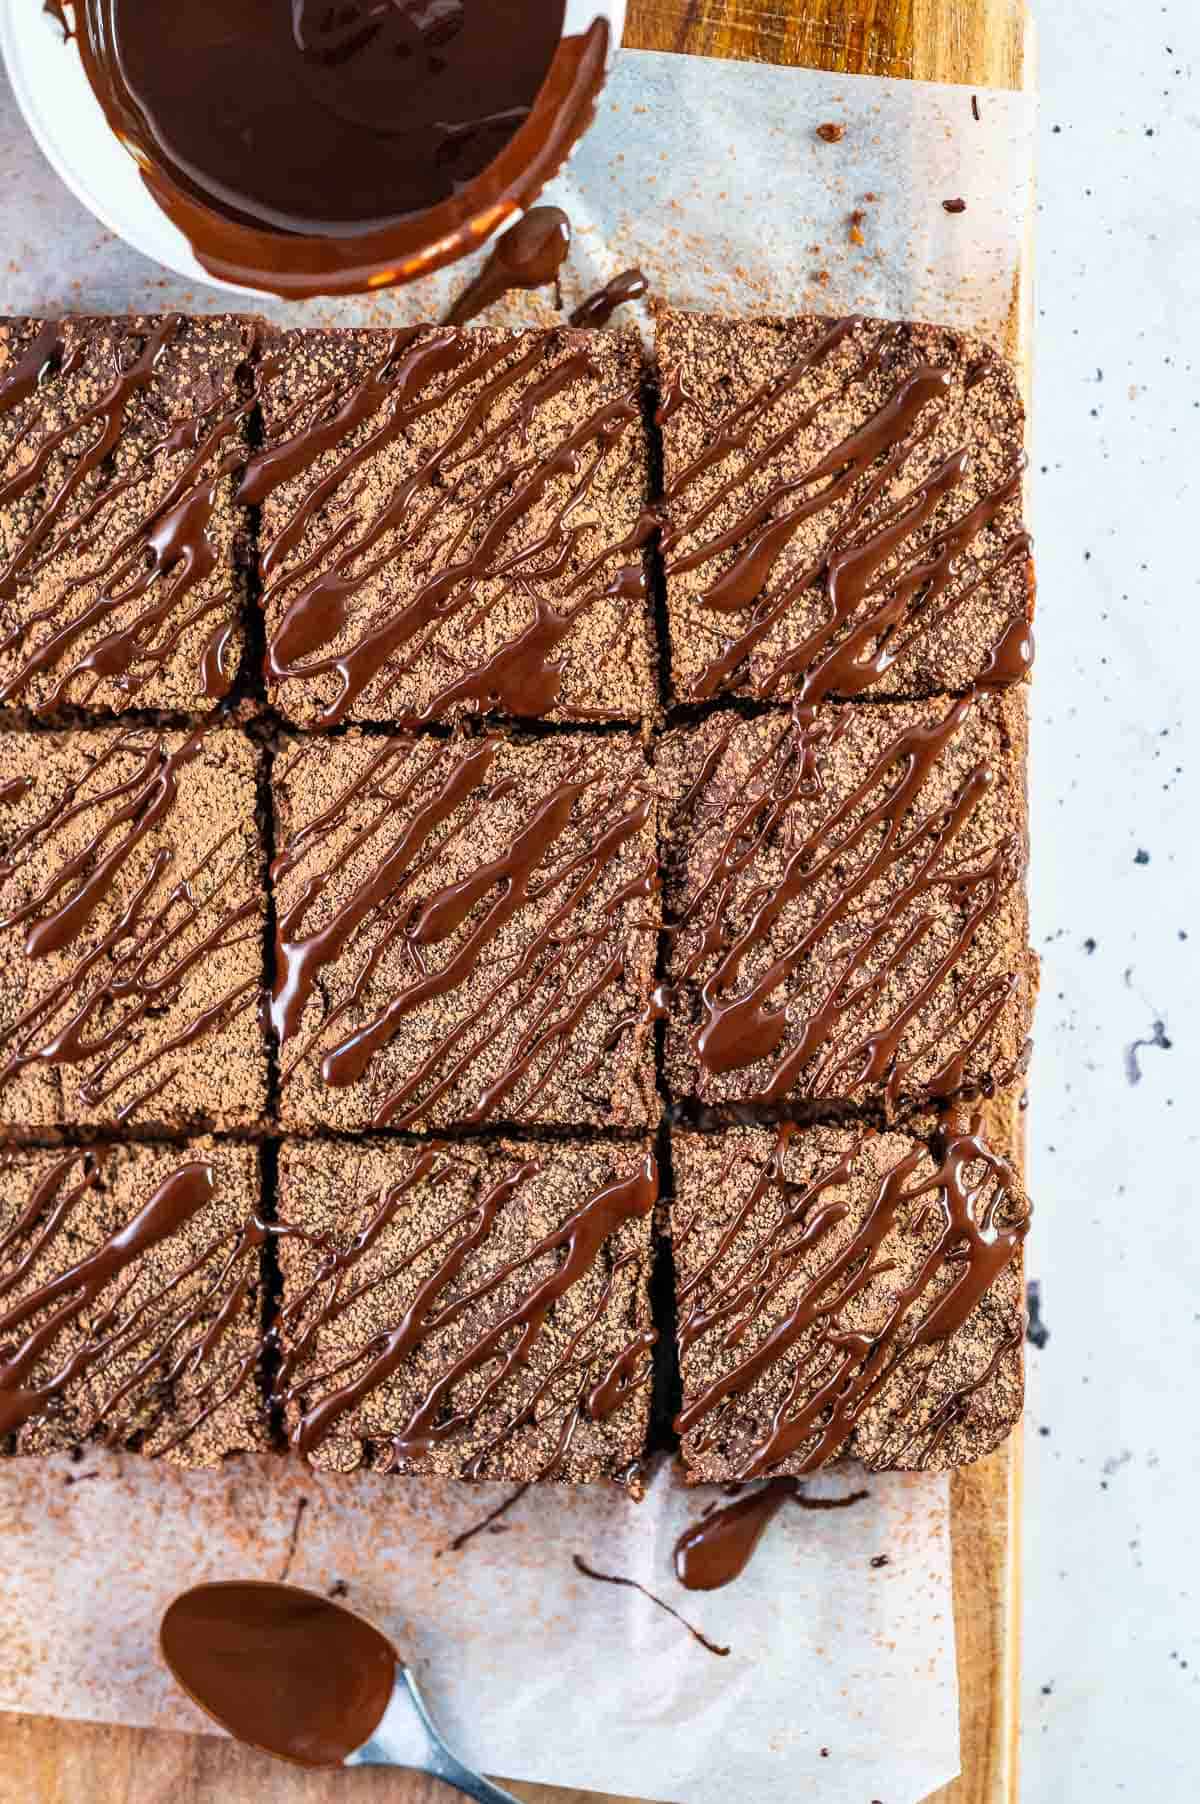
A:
1036, 1332
954, 206
830, 133
1157, 1037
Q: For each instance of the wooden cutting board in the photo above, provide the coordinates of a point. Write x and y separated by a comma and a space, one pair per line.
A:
983, 42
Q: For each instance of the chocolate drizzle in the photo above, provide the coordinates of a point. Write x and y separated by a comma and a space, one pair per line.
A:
598, 308
843, 937
612, 1578
471, 907
841, 1320
113, 1344
899, 562
465, 1347
115, 554
433, 527
122, 925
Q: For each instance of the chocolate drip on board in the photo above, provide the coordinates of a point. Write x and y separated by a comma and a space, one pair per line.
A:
496, 549
612, 1578
889, 571
151, 1366
598, 308
881, 840
832, 1373
716, 1549
489, 1524
99, 604
135, 929
484, 1335
528, 256
411, 800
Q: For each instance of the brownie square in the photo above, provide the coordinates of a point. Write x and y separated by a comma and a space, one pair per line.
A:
844, 1292
843, 509
132, 911
845, 903
454, 522
120, 543
476, 1311
466, 931
130, 1300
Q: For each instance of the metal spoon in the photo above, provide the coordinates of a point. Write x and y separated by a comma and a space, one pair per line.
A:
291, 1673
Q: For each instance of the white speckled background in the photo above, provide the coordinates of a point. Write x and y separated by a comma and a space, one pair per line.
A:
1112, 1540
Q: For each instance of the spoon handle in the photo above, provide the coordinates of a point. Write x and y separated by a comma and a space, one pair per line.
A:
407, 1736
444, 1765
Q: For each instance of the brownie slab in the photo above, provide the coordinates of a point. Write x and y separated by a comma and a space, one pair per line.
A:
120, 444
132, 908
130, 1300
477, 1311
845, 904
454, 522
843, 509
845, 1292
466, 931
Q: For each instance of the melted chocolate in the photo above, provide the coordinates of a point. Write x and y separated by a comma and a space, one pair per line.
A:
717, 1549
529, 255
886, 583
491, 556
599, 308
354, 145
836, 1372
509, 1336
610, 1578
282, 1669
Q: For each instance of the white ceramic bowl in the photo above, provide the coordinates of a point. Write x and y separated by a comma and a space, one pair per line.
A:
60, 109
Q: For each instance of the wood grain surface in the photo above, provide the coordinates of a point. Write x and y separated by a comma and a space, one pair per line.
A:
984, 42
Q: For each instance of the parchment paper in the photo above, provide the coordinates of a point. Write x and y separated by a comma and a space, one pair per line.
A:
708, 173
841, 1683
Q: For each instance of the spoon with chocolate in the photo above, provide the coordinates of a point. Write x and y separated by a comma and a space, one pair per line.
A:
291, 1674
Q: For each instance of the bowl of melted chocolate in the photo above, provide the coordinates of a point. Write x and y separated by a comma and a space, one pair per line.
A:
304, 147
